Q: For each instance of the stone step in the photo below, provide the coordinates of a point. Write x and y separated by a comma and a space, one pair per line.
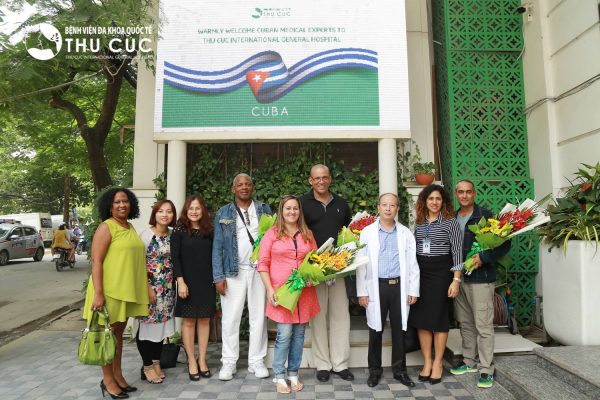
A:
526, 379
359, 342
496, 392
577, 365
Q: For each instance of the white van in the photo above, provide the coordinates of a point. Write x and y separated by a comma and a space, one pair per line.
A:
40, 221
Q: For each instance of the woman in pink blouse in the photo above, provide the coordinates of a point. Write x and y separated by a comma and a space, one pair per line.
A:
281, 250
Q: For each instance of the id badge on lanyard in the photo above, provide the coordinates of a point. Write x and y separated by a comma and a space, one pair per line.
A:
427, 241
426, 246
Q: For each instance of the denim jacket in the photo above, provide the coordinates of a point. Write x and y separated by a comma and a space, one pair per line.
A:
487, 272
225, 251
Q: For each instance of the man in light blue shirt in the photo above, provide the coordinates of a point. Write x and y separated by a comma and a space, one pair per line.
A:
389, 283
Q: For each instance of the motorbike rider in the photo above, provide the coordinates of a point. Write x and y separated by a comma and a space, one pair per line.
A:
61, 240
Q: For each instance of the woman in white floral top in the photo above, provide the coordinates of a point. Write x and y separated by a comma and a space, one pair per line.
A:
159, 324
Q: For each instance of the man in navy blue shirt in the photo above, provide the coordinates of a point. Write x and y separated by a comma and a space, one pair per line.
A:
474, 305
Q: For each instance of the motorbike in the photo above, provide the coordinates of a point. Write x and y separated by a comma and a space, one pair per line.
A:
61, 259
81, 246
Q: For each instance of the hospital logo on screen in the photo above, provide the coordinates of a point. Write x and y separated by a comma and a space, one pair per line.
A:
49, 42
273, 12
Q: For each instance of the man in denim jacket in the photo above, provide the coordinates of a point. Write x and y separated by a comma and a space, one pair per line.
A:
474, 306
235, 277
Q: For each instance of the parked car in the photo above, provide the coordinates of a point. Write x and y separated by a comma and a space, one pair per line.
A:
20, 241
40, 221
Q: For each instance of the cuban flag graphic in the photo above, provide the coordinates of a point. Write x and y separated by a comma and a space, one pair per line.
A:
266, 74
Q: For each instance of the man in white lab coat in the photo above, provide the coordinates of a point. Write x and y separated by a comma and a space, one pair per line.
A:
388, 283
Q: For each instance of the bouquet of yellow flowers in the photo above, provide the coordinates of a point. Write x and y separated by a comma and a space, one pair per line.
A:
511, 221
327, 263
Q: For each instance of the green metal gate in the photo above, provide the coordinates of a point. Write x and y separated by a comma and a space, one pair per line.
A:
481, 128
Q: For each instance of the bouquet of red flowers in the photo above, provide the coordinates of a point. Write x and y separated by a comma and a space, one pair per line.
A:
351, 234
511, 221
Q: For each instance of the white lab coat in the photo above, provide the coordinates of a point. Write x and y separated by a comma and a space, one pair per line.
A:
367, 276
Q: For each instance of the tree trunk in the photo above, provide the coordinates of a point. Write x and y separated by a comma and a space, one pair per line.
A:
96, 158
67, 196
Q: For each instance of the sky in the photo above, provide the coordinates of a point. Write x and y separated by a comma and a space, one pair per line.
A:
12, 20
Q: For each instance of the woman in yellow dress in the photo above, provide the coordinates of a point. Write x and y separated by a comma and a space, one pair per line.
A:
61, 240
118, 280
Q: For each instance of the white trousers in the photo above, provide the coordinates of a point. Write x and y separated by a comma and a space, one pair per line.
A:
246, 284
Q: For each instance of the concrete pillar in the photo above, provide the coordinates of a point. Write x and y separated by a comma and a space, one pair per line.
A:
176, 174
387, 155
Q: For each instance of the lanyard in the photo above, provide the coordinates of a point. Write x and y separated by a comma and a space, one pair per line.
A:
296, 245
245, 226
427, 229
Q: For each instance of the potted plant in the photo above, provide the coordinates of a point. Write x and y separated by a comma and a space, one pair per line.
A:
424, 172
571, 263
411, 166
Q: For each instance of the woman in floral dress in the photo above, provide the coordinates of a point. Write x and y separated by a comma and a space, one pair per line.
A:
159, 324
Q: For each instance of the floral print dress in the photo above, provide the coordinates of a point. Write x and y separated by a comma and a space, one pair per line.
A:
159, 323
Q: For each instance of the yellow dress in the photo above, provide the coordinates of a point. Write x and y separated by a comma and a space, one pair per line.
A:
124, 276
60, 240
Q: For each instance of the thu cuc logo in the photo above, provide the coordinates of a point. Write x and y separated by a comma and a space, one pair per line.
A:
49, 42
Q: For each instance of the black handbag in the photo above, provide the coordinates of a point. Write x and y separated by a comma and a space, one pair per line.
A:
411, 340
169, 355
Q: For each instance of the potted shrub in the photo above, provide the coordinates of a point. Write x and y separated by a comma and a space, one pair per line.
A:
424, 172
571, 263
411, 166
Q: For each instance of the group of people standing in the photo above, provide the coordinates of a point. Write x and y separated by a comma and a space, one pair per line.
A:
175, 267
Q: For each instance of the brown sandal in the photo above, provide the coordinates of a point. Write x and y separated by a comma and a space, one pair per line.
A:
146, 371
157, 369
296, 387
282, 387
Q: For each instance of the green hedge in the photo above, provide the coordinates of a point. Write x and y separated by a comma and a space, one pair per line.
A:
212, 174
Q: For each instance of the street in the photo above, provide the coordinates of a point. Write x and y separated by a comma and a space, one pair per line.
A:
32, 290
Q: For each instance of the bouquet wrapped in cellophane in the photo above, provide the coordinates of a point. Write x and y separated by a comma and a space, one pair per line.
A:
352, 232
327, 263
265, 223
511, 221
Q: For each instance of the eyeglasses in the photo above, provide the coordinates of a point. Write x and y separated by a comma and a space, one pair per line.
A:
320, 178
461, 192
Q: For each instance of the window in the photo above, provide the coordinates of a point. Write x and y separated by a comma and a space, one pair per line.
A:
30, 232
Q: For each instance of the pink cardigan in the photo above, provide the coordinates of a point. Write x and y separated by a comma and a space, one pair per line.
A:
278, 258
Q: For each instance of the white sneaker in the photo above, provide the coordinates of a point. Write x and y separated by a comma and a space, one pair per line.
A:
227, 371
259, 370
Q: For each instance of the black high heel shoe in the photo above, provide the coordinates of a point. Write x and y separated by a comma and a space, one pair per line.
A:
422, 378
193, 377
128, 389
204, 374
121, 395
435, 381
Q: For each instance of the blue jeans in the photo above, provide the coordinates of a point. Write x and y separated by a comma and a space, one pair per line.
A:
289, 345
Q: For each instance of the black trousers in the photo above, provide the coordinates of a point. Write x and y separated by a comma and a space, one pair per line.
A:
389, 301
148, 350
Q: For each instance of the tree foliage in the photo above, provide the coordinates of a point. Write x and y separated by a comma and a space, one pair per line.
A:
67, 109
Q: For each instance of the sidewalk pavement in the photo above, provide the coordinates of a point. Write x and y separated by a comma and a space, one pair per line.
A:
43, 365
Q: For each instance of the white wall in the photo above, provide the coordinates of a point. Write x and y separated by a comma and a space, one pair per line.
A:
419, 76
562, 50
